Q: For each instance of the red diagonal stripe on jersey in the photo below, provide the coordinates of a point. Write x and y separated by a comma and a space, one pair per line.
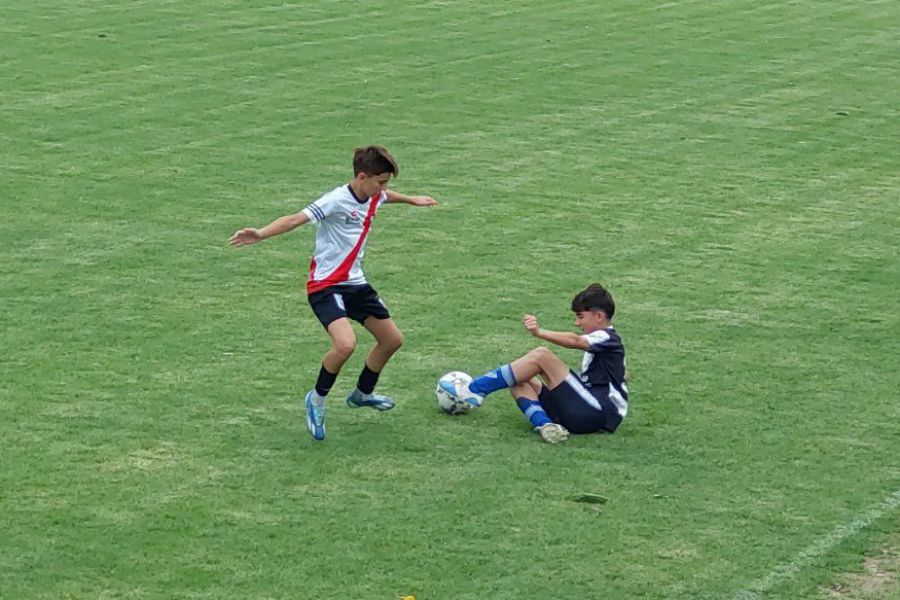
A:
343, 270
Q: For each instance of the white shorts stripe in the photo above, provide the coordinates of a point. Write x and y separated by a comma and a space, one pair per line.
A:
618, 400
585, 394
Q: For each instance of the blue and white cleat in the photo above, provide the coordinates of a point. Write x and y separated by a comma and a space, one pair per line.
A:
315, 418
357, 399
459, 389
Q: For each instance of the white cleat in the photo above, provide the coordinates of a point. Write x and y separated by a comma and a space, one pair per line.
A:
553, 433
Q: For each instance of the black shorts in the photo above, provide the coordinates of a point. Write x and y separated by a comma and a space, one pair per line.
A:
358, 302
567, 404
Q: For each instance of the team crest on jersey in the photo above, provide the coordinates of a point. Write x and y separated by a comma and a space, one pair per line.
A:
353, 218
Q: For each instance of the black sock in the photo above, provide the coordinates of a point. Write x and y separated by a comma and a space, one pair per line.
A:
367, 380
325, 381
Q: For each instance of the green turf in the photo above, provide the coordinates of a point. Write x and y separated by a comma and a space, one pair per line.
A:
729, 169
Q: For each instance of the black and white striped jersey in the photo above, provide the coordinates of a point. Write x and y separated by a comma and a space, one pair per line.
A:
603, 367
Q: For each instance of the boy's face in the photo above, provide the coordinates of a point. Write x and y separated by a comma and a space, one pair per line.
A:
590, 321
370, 185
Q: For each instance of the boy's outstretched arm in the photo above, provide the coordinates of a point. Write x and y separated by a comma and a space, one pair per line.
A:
251, 235
566, 339
393, 196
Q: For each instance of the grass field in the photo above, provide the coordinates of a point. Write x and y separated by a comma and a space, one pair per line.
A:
730, 169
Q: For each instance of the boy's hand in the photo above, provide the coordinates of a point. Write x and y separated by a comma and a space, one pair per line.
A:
243, 237
422, 201
531, 324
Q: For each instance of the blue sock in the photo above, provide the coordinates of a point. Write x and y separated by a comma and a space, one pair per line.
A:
533, 411
498, 379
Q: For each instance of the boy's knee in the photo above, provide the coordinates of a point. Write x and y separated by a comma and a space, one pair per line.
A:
540, 353
520, 389
344, 348
529, 388
395, 341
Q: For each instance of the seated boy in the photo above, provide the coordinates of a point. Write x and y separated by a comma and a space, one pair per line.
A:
562, 401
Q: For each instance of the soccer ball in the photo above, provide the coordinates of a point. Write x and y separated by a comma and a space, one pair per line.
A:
448, 402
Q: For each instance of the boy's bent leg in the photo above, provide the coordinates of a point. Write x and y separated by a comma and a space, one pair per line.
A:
388, 340
527, 396
530, 389
343, 343
541, 361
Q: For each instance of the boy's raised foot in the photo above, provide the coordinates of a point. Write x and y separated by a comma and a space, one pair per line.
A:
315, 418
553, 433
357, 399
460, 389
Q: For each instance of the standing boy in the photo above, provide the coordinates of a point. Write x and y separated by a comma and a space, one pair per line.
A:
337, 289
565, 401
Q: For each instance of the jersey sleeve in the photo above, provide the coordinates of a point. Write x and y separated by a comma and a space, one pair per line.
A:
597, 339
321, 208
382, 198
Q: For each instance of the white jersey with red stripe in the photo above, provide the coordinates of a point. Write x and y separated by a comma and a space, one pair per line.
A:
342, 225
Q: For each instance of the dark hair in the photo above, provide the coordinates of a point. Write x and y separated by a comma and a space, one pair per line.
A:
374, 160
594, 297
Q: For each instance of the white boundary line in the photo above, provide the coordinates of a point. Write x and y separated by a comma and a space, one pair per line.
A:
785, 572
